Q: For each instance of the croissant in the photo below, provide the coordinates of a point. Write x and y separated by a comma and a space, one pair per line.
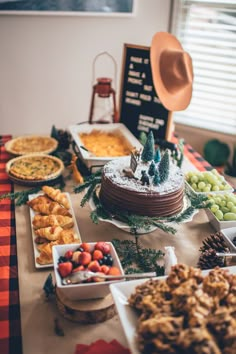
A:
51, 233
45, 256
40, 199
68, 236
40, 221
56, 195
51, 208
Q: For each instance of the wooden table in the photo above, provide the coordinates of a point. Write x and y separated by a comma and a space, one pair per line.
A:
37, 314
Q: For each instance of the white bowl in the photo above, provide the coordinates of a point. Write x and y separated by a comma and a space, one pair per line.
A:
219, 225
192, 191
85, 290
89, 159
230, 234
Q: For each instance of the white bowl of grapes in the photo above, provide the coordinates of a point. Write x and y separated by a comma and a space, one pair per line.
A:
205, 182
222, 212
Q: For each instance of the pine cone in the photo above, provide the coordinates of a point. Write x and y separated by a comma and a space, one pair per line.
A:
208, 259
216, 242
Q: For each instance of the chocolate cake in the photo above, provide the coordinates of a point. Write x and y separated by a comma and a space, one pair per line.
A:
128, 193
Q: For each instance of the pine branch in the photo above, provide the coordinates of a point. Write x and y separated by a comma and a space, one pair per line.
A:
136, 259
20, 197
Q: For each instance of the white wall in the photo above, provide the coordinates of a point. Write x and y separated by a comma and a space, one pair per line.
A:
46, 63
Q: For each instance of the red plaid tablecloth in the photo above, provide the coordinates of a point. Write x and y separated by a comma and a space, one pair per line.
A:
10, 328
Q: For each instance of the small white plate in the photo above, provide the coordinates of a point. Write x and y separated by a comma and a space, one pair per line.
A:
32, 214
128, 316
219, 225
229, 235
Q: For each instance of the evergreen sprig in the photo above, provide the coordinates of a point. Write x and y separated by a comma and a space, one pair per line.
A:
136, 259
20, 197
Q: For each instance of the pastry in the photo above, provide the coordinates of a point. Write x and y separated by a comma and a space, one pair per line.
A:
51, 208
40, 221
57, 195
51, 233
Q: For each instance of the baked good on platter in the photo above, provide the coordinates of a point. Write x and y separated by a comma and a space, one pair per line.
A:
41, 221
122, 191
183, 313
57, 195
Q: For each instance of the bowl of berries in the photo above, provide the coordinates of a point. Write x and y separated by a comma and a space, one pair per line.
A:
85, 271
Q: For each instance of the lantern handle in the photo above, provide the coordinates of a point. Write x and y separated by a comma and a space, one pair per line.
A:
114, 62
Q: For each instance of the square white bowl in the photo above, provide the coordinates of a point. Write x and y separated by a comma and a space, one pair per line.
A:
83, 291
219, 225
120, 129
192, 191
229, 235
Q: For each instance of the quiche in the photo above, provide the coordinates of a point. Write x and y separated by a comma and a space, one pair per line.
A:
35, 167
31, 144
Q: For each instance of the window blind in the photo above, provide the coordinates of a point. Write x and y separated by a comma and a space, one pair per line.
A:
207, 31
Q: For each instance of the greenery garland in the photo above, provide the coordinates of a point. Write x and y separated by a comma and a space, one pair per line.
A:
136, 222
22, 197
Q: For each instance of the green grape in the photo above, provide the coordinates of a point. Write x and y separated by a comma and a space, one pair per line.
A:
214, 208
201, 185
194, 179
219, 215
230, 205
207, 189
223, 203
230, 216
194, 186
233, 209
215, 188
225, 210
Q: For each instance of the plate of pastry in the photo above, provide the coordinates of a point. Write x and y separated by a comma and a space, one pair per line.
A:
182, 313
52, 223
31, 144
34, 169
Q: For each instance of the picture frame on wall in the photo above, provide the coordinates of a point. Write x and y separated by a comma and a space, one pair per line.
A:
119, 8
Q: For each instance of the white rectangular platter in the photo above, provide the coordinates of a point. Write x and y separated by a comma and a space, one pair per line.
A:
129, 319
32, 214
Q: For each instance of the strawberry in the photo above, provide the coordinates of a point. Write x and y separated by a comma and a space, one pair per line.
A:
68, 254
65, 269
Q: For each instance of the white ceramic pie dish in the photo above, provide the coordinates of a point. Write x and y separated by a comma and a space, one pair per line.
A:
89, 159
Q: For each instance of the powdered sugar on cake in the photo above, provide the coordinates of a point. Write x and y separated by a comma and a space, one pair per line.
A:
114, 171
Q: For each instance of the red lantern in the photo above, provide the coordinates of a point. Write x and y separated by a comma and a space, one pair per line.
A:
103, 103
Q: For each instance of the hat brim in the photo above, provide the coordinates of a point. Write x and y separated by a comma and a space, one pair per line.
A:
172, 101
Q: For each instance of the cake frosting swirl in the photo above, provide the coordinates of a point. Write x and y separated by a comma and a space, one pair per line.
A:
119, 192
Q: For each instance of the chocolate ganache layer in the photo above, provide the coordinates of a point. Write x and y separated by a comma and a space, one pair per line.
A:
119, 192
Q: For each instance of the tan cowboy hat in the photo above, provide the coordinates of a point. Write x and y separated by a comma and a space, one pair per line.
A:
172, 71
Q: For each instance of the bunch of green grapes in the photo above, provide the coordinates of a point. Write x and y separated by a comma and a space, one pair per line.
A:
223, 206
207, 181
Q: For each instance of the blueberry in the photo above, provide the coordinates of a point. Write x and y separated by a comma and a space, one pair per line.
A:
62, 259
100, 261
109, 260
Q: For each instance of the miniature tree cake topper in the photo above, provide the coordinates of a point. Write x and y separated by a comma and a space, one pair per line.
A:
152, 169
149, 148
156, 178
157, 156
164, 167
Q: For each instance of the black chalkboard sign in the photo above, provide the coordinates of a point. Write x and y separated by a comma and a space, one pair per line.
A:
140, 107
